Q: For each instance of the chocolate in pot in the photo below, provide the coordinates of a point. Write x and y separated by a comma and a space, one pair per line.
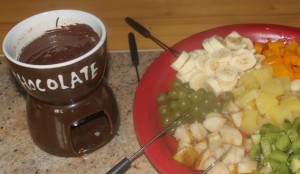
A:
60, 45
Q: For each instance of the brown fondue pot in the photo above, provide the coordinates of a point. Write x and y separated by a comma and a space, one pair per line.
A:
70, 109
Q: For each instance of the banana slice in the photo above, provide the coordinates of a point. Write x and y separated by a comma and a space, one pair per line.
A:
243, 62
226, 73
180, 61
206, 45
199, 61
241, 51
214, 85
200, 51
210, 66
187, 76
222, 55
196, 80
228, 85
247, 43
216, 42
187, 66
234, 43
234, 34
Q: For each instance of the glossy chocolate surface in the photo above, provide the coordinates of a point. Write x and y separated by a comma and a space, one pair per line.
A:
60, 45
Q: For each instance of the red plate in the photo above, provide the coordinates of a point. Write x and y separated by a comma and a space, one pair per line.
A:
158, 79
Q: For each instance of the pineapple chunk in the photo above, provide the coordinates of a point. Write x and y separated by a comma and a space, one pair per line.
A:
274, 87
291, 102
249, 122
249, 81
279, 113
286, 82
263, 74
246, 97
265, 101
186, 156
238, 91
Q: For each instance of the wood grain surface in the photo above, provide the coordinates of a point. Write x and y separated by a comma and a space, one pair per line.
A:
169, 20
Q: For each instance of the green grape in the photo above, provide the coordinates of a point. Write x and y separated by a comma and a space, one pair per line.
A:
195, 98
176, 113
186, 85
172, 94
173, 105
181, 98
177, 83
162, 98
201, 91
205, 110
210, 96
184, 104
172, 130
182, 92
210, 100
195, 113
166, 120
164, 110
179, 123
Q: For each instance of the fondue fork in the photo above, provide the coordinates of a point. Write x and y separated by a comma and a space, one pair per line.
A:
134, 54
125, 163
146, 33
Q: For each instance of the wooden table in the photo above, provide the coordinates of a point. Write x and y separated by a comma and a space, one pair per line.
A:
168, 20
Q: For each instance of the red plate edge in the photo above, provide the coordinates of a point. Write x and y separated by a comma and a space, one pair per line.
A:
158, 78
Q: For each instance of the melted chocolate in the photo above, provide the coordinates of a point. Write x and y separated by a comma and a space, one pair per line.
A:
60, 45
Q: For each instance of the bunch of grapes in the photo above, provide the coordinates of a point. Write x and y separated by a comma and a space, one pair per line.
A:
181, 98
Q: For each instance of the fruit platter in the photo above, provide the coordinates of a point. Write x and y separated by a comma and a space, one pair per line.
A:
241, 86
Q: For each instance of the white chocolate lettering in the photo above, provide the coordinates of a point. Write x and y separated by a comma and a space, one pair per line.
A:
75, 79
31, 85
38, 82
85, 71
61, 81
94, 70
52, 84
23, 81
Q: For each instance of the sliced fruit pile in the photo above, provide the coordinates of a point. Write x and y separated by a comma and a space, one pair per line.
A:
200, 144
218, 65
263, 99
265, 93
277, 148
